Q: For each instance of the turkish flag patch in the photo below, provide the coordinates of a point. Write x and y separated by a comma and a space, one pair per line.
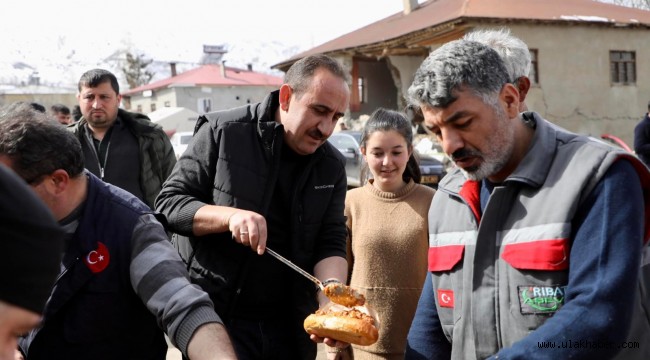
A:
446, 298
98, 259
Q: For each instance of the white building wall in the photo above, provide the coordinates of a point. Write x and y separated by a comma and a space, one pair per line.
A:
574, 88
221, 98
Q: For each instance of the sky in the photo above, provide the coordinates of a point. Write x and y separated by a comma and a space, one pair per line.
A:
55, 35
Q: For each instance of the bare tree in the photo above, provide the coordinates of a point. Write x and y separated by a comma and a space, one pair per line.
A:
135, 70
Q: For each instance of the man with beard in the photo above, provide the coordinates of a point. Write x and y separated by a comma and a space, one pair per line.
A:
61, 113
122, 148
534, 250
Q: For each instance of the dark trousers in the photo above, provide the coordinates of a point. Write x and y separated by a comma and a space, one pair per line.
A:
270, 340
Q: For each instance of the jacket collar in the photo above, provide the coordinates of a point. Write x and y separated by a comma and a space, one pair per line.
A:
534, 167
266, 125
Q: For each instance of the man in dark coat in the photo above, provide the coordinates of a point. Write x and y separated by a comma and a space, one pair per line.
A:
265, 174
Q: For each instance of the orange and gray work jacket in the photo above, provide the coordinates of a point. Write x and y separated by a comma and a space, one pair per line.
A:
501, 273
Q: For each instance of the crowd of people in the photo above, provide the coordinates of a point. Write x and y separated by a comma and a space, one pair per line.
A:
528, 247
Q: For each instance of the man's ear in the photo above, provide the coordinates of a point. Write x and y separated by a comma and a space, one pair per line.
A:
523, 85
285, 97
60, 180
510, 96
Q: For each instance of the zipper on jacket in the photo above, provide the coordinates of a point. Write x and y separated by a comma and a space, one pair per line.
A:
101, 168
91, 140
91, 143
65, 270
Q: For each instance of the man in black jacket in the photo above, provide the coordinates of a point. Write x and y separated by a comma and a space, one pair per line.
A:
122, 148
265, 174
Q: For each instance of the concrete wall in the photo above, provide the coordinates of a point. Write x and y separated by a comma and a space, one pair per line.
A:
380, 88
574, 89
406, 67
47, 100
222, 97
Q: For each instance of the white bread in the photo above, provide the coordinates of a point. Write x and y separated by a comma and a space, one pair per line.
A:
351, 326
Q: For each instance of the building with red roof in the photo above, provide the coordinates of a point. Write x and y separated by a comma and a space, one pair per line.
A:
209, 87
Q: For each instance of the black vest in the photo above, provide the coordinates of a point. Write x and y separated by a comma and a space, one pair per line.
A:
93, 312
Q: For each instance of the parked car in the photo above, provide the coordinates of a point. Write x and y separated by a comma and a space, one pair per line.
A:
179, 142
347, 142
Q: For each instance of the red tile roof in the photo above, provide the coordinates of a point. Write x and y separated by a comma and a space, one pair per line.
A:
437, 12
210, 75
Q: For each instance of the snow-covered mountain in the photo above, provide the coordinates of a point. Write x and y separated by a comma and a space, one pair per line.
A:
64, 67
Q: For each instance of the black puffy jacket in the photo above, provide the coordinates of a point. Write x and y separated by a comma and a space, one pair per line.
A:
233, 161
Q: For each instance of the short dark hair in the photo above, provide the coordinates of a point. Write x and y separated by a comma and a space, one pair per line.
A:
37, 144
301, 72
76, 113
60, 108
38, 107
95, 77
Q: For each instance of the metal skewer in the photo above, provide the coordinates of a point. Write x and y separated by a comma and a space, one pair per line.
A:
296, 267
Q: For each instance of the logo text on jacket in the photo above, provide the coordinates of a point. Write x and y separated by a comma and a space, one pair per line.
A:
540, 299
320, 187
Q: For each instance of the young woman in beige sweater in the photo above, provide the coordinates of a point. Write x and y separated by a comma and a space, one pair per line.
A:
387, 232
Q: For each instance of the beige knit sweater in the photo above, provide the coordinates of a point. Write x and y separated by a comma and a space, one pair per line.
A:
387, 252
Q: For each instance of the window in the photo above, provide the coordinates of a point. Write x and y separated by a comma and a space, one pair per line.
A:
168, 104
533, 75
362, 90
153, 106
204, 105
138, 108
622, 67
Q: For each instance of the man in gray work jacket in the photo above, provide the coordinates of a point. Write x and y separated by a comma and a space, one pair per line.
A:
536, 239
